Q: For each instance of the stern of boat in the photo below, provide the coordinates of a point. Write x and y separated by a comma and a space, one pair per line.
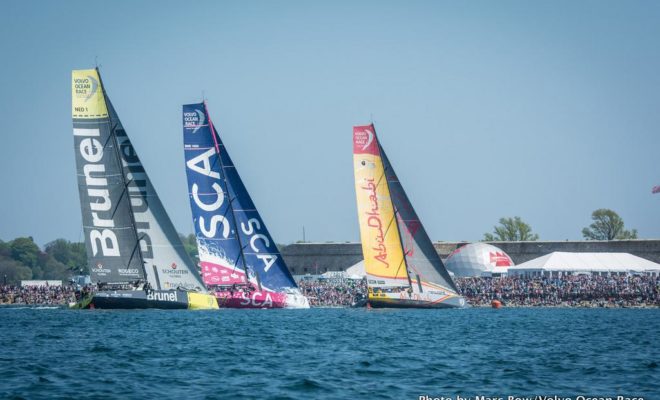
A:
295, 299
202, 301
398, 300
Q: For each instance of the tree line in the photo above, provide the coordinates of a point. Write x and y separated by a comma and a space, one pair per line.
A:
22, 259
607, 225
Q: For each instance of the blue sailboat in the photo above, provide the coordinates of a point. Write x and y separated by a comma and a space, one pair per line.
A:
239, 259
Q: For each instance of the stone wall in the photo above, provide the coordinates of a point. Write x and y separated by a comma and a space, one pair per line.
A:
317, 258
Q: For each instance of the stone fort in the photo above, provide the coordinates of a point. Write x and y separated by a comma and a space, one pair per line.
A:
317, 258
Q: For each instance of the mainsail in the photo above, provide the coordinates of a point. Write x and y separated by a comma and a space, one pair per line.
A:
381, 242
234, 243
128, 234
396, 248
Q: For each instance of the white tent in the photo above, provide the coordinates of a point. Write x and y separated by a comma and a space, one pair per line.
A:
478, 259
604, 263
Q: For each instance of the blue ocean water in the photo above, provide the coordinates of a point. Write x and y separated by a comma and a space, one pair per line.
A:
328, 353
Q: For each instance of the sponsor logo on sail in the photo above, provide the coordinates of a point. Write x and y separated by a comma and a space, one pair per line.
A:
370, 138
98, 269
173, 271
195, 120
85, 88
374, 222
128, 271
101, 237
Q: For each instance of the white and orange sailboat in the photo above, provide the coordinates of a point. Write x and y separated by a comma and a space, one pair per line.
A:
402, 267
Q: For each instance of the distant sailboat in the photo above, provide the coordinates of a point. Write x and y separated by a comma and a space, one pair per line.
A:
136, 257
402, 267
239, 259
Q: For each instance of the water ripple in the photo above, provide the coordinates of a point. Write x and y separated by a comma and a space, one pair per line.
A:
327, 353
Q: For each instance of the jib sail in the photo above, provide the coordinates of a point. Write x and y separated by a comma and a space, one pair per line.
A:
424, 265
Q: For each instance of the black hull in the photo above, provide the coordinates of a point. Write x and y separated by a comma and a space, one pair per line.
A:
138, 299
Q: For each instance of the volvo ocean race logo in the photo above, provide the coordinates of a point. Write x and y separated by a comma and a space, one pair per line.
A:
363, 140
370, 138
85, 88
194, 120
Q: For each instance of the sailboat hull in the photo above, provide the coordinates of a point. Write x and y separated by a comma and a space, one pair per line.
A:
395, 300
260, 299
158, 299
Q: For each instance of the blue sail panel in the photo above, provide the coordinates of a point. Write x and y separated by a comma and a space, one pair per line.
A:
217, 241
262, 258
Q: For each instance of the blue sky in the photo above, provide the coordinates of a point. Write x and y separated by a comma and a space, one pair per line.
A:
545, 110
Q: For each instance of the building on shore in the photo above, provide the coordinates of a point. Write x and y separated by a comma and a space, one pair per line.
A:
318, 258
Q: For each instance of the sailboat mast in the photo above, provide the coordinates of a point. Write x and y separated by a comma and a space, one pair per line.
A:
115, 143
224, 177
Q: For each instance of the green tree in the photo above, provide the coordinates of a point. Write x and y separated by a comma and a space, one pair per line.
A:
5, 250
13, 270
72, 255
511, 230
190, 245
607, 225
25, 251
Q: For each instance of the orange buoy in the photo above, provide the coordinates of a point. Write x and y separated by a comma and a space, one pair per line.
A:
496, 304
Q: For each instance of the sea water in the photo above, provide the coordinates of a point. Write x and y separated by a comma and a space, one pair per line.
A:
329, 353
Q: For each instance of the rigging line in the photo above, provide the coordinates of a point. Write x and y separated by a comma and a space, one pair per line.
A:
137, 244
121, 197
399, 268
113, 135
389, 190
224, 177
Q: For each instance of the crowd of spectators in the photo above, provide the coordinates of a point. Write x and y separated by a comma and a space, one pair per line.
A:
512, 291
334, 292
567, 291
37, 295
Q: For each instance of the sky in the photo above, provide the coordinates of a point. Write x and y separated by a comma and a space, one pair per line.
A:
544, 110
